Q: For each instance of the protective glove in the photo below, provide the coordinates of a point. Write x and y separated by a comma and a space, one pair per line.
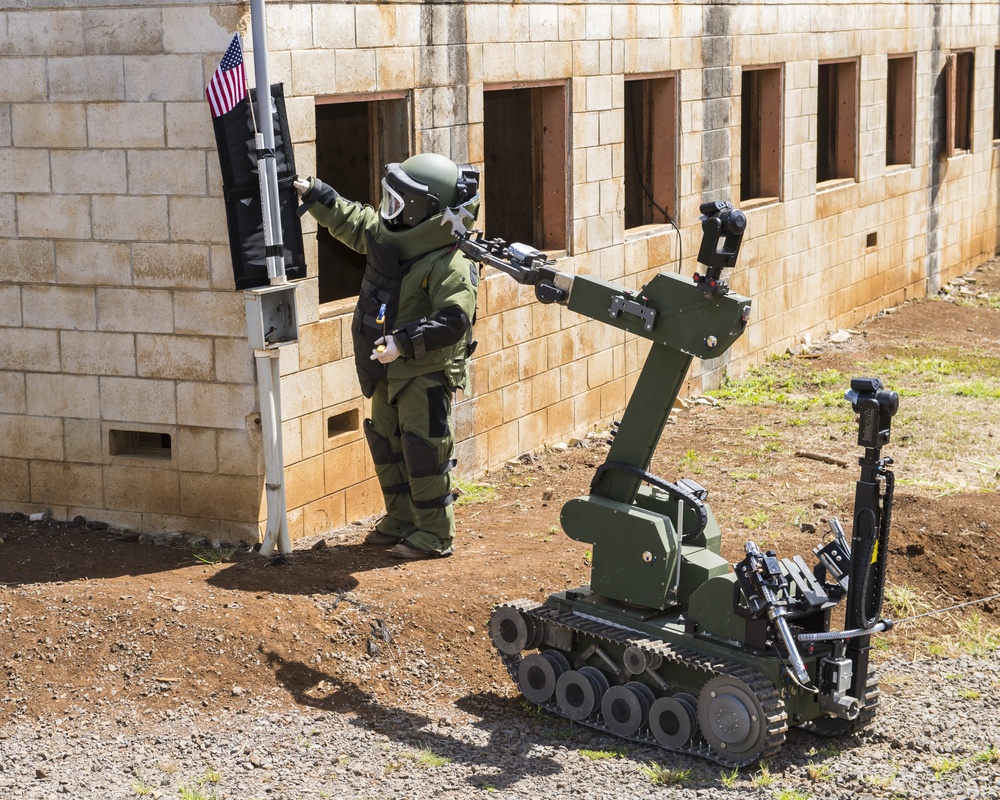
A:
388, 353
302, 185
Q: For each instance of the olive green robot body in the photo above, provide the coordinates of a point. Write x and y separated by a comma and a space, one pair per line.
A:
668, 645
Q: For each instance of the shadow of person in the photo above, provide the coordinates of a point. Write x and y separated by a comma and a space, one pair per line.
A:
506, 744
303, 572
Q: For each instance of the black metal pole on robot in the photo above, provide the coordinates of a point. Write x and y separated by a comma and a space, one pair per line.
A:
267, 360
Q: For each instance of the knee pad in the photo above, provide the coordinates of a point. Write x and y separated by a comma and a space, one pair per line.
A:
423, 459
380, 447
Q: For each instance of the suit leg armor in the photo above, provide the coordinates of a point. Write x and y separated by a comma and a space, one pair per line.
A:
382, 433
428, 447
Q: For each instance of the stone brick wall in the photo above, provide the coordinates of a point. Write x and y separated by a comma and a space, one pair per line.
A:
117, 301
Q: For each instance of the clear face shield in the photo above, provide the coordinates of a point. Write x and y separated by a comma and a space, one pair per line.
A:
405, 201
392, 202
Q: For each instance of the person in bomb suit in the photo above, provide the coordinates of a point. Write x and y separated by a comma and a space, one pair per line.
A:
412, 333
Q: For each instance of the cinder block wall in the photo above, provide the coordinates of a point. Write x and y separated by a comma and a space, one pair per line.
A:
116, 291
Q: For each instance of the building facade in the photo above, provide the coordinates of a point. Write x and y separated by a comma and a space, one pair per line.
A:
861, 139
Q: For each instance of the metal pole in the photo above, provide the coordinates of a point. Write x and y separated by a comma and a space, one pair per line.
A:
268, 362
269, 389
265, 157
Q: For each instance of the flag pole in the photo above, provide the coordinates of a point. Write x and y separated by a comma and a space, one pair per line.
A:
265, 150
267, 360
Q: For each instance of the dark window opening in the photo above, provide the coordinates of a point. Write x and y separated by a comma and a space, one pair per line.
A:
837, 128
899, 111
140, 444
961, 76
650, 148
354, 141
760, 132
525, 165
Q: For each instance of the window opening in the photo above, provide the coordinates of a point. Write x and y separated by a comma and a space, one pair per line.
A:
354, 141
837, 112
760, 131
899, 111
650, 151
526, 162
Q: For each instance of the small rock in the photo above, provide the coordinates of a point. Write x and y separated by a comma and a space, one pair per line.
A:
807, 527
238, 691
840, 337
79, 520
320, 545
548, 494
97, 526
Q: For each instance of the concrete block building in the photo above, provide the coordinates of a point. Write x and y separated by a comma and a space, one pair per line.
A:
862, 139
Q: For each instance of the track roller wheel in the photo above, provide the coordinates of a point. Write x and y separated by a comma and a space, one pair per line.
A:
538, 674
579, 692
626, 708
513, 632
732, 719
673, 720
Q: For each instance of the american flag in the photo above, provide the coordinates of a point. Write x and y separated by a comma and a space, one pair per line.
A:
229, 83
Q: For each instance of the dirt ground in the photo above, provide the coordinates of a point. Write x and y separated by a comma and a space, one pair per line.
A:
92, 618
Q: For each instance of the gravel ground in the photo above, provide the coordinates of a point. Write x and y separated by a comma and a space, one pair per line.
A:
937, 736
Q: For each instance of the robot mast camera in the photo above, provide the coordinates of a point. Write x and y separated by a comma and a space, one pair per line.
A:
719, 221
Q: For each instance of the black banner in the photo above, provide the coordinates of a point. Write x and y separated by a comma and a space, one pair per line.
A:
234, 136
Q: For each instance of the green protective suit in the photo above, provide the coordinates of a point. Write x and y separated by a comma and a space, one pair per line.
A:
422, 289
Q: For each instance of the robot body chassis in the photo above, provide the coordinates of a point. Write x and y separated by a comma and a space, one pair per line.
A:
667, 645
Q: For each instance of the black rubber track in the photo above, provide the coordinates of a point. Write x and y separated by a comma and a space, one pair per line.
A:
761, 687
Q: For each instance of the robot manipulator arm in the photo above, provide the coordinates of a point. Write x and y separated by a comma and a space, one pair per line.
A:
523, 263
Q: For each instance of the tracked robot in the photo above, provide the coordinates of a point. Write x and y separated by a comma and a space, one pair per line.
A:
668, 645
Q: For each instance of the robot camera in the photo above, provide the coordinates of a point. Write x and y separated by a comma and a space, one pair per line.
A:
720, 222
875, 406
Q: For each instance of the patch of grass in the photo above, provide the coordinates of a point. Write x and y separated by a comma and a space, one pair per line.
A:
761, 432
755, 521
597, 755
428, 758
744, 476
945, 765
903, 600
990, 756
936, 649
762, 778
471, 493
818, 772
880, 781
977, 638
968, 694
185, 792
141, 788
209, 554
660, 775
729, 778
791, 794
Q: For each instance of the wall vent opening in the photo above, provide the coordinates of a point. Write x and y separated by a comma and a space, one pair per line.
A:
871, 240
347, 422
140, 444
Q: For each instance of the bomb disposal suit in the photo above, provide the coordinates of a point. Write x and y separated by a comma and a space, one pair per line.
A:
412, 333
